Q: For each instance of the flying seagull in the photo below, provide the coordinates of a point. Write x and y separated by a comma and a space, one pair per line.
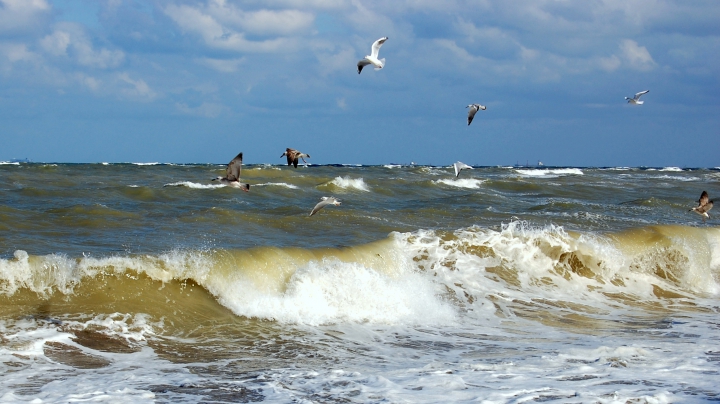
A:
474, 108
293, 156
324, 201
232, 175
704, 205
372, 59
636, 98
459, 166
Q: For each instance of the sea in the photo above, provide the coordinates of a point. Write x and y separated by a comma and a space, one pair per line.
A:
148, 282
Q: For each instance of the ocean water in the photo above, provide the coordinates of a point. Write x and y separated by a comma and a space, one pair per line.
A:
150, 283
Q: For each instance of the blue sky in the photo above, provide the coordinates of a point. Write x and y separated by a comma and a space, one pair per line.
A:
199, 81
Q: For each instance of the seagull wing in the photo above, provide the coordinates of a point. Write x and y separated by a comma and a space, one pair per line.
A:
362, 64
234, 168
638, 95
324, 201
376, 46
290, 153
471, 113
704, 199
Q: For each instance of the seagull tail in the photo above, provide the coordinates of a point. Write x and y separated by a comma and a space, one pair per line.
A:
245, 187
382, 64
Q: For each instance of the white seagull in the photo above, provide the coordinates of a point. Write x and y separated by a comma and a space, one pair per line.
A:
232, 174
459, 166
704, 205
474, 108
324, 201
372, 59
636, 99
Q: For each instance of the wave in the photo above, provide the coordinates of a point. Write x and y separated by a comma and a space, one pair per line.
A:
671, 169
194, 185
461, 182
276, 184
422, 277
550, 173
146, 164
9, 163
350, 183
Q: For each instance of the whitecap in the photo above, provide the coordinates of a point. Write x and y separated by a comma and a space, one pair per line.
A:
350, 183
671, 169
146, 164
194, 185
276, 184
461, 182
550, 173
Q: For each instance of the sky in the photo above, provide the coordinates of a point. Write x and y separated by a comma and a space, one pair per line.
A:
197, 81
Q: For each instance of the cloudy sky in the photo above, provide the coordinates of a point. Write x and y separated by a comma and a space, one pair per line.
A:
201, 80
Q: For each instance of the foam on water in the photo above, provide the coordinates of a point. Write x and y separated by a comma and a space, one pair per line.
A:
549, 173
276, 184
461, 182
350, 183
671, 169
194, 185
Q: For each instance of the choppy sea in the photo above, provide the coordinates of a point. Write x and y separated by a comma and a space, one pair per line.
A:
150, 283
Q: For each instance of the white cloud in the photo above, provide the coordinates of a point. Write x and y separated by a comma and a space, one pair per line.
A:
70, 40
138, 88
207, 24
609, 64
637, 56
21, 14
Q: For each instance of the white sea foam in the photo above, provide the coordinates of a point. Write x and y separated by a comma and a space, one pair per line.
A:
194, 185
392, 166
461, 182
331, 291
9, 163
276, 184
146, 164
350, 183
549, 173
671, 169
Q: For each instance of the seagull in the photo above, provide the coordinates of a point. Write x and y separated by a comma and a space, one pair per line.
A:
372, 59
704, 205
636, 98
474, 108
232, 175
293, 156
459, 166
324, 201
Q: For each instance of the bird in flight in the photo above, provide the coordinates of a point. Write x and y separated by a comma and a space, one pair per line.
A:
704, 205
372, 59
474, 108
232, 174
325, 201
636, 99
293, 156
459, 166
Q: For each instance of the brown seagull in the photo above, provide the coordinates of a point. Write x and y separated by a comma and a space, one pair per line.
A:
474, 108
704, 205
293, 156
232, 174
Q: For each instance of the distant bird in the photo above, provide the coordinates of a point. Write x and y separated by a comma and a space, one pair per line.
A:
232, 175
704, 205
459, 166
636, 98
293, 156
474, 108
324, 201
372, 59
